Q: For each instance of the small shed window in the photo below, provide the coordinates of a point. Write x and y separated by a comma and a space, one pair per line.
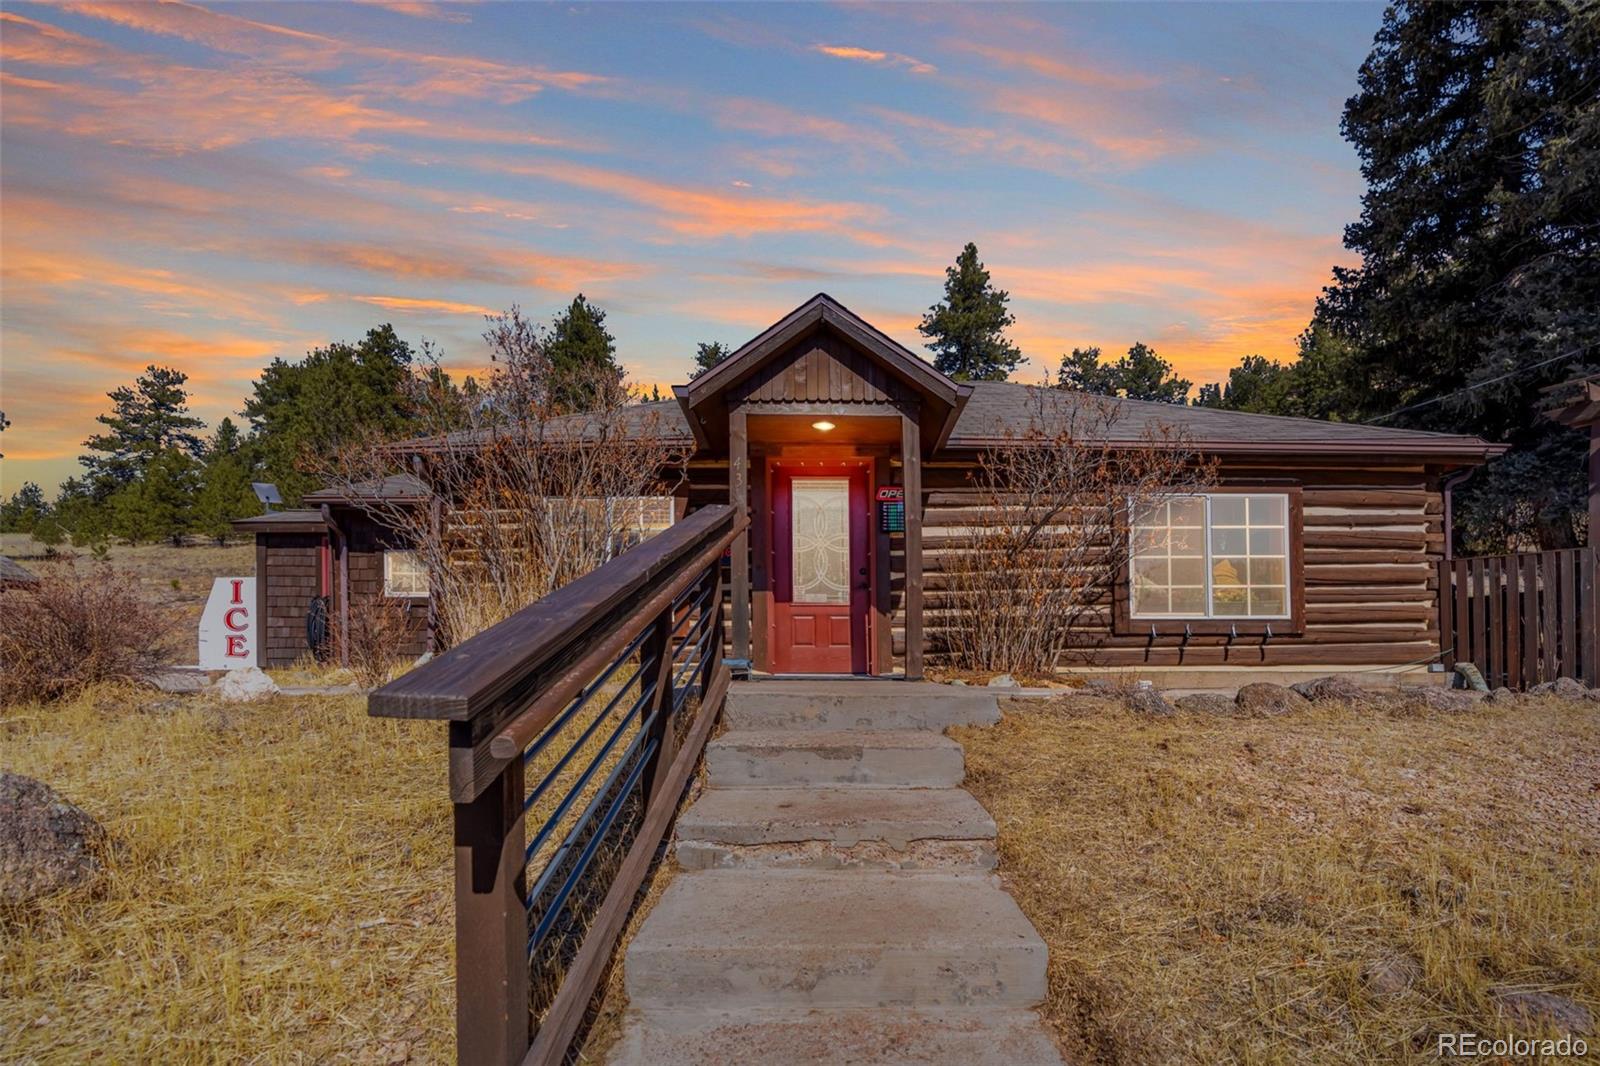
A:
404, 574
1217, 556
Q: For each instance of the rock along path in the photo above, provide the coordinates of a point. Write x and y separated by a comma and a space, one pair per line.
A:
838, 904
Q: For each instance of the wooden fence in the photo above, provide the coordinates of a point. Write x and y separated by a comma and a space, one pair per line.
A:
604, 691
1522, 619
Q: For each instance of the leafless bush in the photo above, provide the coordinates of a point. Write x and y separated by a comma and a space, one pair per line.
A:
518, 494
73, 628
373, 628
1039, 562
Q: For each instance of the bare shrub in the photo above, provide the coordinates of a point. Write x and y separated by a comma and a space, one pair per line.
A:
373, 629
1040, 560
511, 494
74, 628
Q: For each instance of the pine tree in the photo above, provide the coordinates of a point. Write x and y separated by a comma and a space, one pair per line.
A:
149, 417
966, 330
334, 395
86, 519
26, 508
1082, 371
157, 506
1139, 375
707, 355
583, 357
225, 492
1479, 141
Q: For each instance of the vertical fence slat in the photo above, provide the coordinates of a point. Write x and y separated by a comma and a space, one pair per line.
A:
1496, 630
1511, 601
1463, 612
1447, 615
1549, 575
1588, 632
1528, 609
1569, 614
1478, 651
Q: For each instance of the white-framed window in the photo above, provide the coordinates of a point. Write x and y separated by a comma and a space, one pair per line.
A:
1219, 555
404, 575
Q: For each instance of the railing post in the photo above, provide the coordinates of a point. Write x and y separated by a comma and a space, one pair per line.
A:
655, 660
492, 1011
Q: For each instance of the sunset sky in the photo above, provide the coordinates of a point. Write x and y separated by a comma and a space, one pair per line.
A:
207, 187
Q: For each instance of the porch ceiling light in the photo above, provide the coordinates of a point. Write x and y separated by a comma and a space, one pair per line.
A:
823, 426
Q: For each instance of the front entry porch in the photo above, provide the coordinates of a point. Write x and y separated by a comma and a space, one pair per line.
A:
825, 423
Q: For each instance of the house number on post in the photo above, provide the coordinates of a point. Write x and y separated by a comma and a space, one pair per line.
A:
892, 509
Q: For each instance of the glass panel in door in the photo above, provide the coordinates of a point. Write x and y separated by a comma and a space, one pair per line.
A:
821, 540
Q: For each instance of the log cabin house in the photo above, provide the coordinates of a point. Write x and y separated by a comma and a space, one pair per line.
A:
1316, 547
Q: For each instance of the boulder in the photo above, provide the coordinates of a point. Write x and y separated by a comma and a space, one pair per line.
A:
1149, 701
1543, 1010
1335, 687
1261, 699
1562, 688
1501, 695
240, 686
1214, 703
46, 843
1388, 977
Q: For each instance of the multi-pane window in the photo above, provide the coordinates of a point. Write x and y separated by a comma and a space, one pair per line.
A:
1213, 556
404, 574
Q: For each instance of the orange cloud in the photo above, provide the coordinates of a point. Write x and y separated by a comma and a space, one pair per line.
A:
985, 141
703, 213
1086, 74
870, 55
1117, 133
422, 9
776, 121
411, 305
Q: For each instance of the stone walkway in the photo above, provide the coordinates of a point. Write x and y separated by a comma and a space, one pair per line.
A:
839, 904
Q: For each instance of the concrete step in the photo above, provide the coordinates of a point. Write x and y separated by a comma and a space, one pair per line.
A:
835, 705
903, 758
836, 828
813, 1038
801, 939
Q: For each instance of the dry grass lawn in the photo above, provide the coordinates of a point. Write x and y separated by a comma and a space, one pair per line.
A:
1215, 889
278, 889
177, 580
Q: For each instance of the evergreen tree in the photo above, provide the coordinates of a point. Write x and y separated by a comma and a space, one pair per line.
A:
1139, 375
1082, 371
1479, 140
225, 492
966, 330
85, 518
707, 355
26, 508
1311, 387
583, 357
333, 395
149, 417
157, 506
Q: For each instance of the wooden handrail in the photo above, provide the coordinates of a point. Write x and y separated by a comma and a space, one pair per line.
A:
630, 643
476, 675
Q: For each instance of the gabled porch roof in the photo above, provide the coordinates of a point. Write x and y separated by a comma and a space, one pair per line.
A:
937, 399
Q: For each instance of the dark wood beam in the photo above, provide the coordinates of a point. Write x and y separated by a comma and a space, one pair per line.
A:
739, 500
911, 477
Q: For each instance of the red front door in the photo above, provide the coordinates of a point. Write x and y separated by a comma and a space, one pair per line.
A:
820, 568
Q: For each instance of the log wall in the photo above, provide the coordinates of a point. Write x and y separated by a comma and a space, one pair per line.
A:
1373, 538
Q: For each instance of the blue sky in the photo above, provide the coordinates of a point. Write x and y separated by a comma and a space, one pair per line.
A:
208, 187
